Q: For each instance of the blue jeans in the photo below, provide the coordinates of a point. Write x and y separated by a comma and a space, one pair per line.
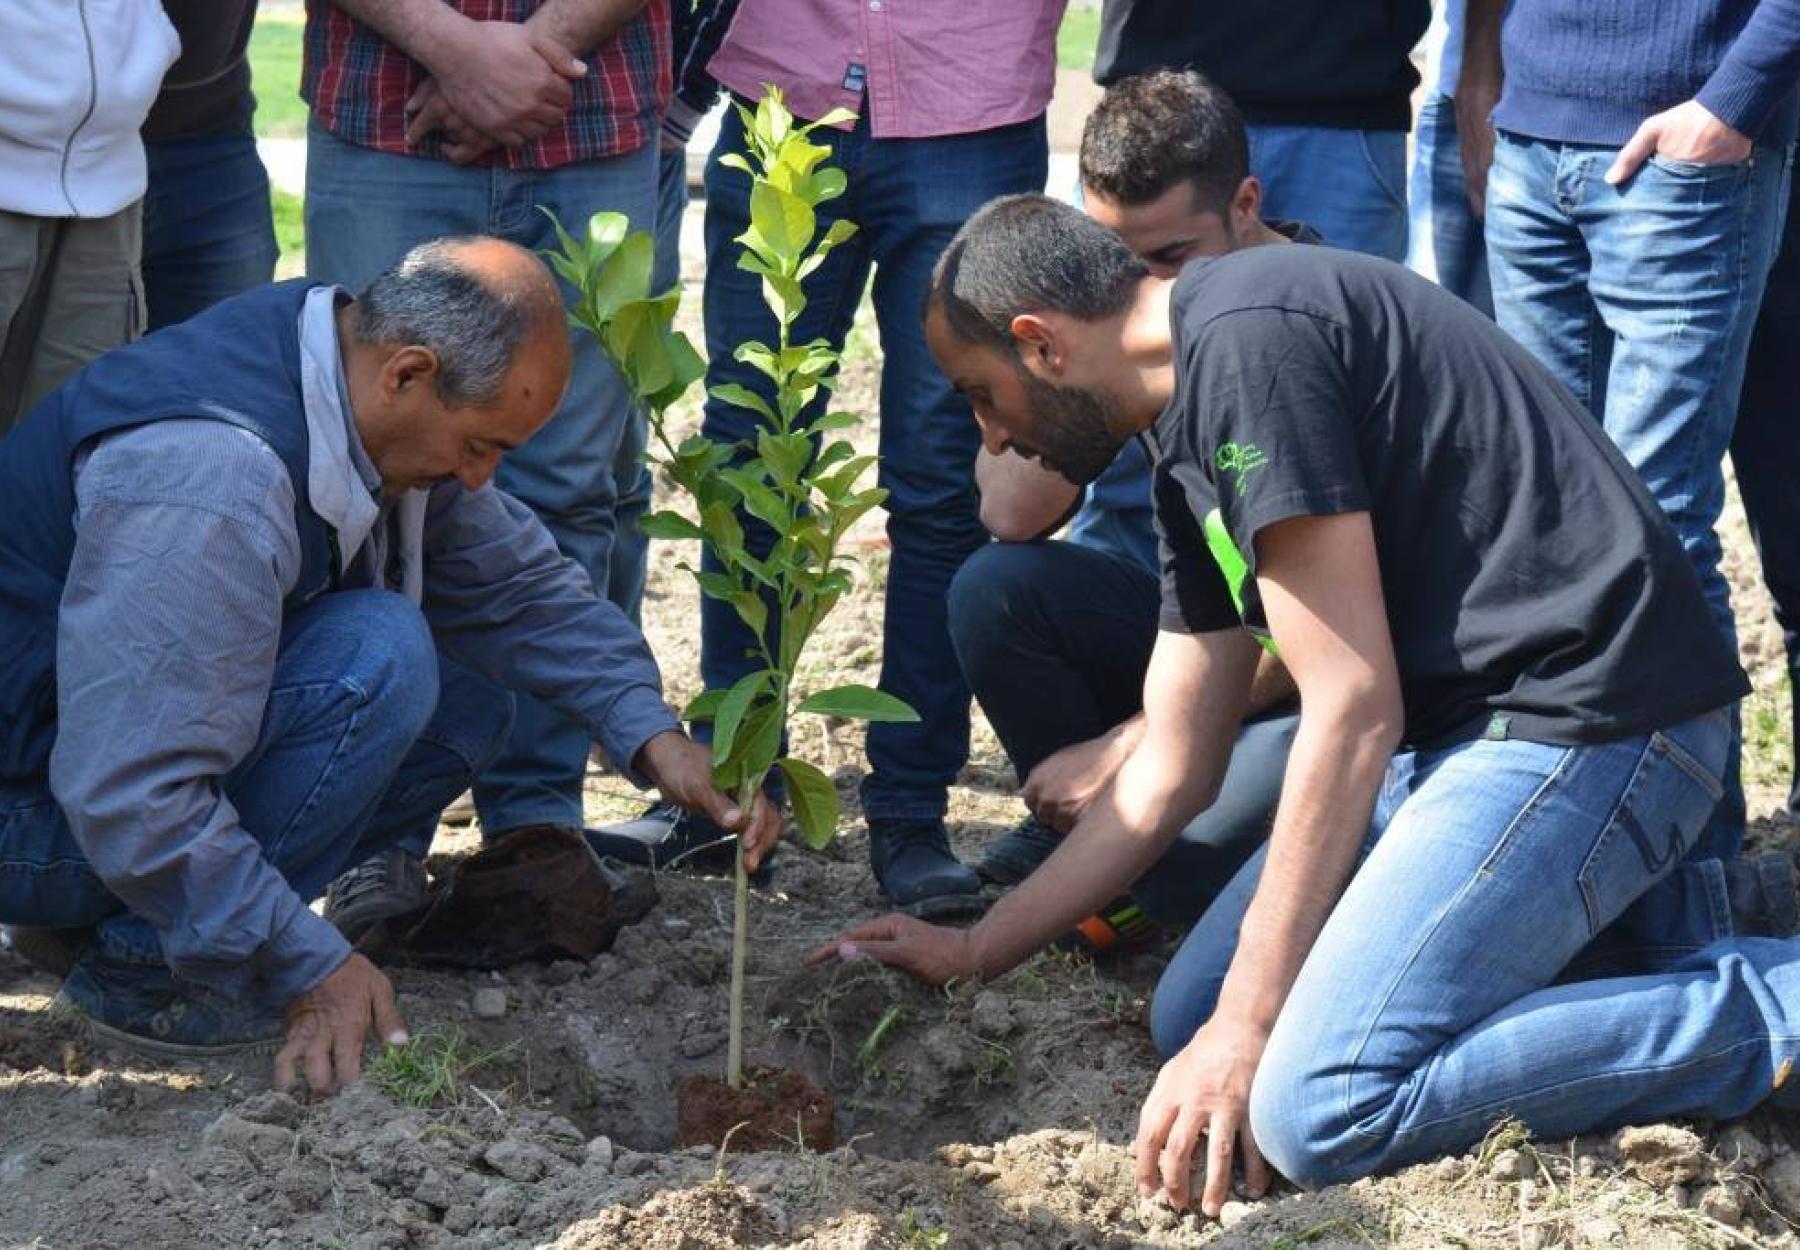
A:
1349, 185
909, 196
366, 737
1054, 639
1641, 299
1446, 242
1429, 1007
1765, 451
582, 473
209, 231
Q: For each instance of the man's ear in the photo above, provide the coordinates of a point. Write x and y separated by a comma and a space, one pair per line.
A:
1040, 345
408, 370
1246, 207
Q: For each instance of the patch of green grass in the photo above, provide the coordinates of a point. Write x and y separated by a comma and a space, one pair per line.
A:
275, 75
290, 233
1077, 37
1768, 736
429, 1070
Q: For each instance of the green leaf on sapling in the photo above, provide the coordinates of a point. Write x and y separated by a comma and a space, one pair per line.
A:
669, 527
858, 703
742, 397
732, 706
704, 706
814, 800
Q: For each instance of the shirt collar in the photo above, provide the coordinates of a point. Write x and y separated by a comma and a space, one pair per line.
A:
341, 480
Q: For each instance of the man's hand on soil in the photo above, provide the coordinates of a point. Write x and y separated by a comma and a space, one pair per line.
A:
932, 953
682, 770
1689, 133
326, 1027
1203, 1092
1063, 785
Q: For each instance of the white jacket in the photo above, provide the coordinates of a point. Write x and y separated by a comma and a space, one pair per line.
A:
77, 78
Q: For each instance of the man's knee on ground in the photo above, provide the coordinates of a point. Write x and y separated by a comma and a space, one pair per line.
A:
1298, 1117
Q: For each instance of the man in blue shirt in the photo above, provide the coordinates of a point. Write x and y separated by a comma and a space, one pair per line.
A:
1640, 164
256, 597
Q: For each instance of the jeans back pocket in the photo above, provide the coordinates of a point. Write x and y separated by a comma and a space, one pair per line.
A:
1657, 820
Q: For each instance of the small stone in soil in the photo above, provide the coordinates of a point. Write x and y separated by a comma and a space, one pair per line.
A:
1663, 1154
489, 1003
600, 1153
1720, 1204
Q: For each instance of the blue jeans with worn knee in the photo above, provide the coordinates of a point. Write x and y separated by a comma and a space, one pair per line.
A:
1446, 241
209, 230
582, 474
366, 736
908, 197
1433, 1003
1349, 185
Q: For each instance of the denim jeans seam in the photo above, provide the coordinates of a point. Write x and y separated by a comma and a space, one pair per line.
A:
1409, 1089
1685, 761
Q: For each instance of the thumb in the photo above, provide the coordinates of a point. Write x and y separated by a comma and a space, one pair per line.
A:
558, 57
1632, 156
719, 806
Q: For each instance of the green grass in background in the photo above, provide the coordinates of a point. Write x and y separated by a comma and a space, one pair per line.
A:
290, 234
1077, 37
275, 75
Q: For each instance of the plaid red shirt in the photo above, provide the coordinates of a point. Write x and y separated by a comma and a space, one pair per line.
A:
358, 84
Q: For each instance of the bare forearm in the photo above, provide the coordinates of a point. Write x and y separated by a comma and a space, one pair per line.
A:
1108, 849
1334, 773
1481, 66
428, 31
583, 25
1020, 500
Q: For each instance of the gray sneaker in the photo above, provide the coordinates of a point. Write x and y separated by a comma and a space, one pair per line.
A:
389, 884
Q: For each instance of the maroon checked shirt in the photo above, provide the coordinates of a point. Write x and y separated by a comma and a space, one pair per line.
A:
358, 83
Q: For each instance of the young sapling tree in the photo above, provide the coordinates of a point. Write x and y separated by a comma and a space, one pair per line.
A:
799, 477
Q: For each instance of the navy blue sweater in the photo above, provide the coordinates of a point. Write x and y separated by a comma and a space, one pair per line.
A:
1590, 71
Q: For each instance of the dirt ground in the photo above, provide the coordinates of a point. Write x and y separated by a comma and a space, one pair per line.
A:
537, 1110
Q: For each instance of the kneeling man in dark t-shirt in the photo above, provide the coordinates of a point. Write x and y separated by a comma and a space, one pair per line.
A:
1511, 724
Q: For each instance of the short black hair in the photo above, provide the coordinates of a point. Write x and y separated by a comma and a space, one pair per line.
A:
1153, 131
1030, 254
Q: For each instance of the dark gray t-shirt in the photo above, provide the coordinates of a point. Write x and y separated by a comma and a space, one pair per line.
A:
1532, 586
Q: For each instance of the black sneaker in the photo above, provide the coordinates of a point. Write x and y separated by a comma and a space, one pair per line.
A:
667, 836
917, 870
140, 1008
1016, 854
385, 885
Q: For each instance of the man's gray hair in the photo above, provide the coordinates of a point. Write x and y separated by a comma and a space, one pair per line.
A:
430, 299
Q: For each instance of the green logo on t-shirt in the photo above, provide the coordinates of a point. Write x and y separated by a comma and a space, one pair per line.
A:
1239, 459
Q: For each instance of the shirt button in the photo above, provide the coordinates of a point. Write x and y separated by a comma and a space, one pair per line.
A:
875, 6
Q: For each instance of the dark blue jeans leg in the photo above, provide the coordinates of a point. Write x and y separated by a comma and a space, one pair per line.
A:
209, 232
735, 314
355, 683
1765, 451
917, 194
1054, 639
467, 730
